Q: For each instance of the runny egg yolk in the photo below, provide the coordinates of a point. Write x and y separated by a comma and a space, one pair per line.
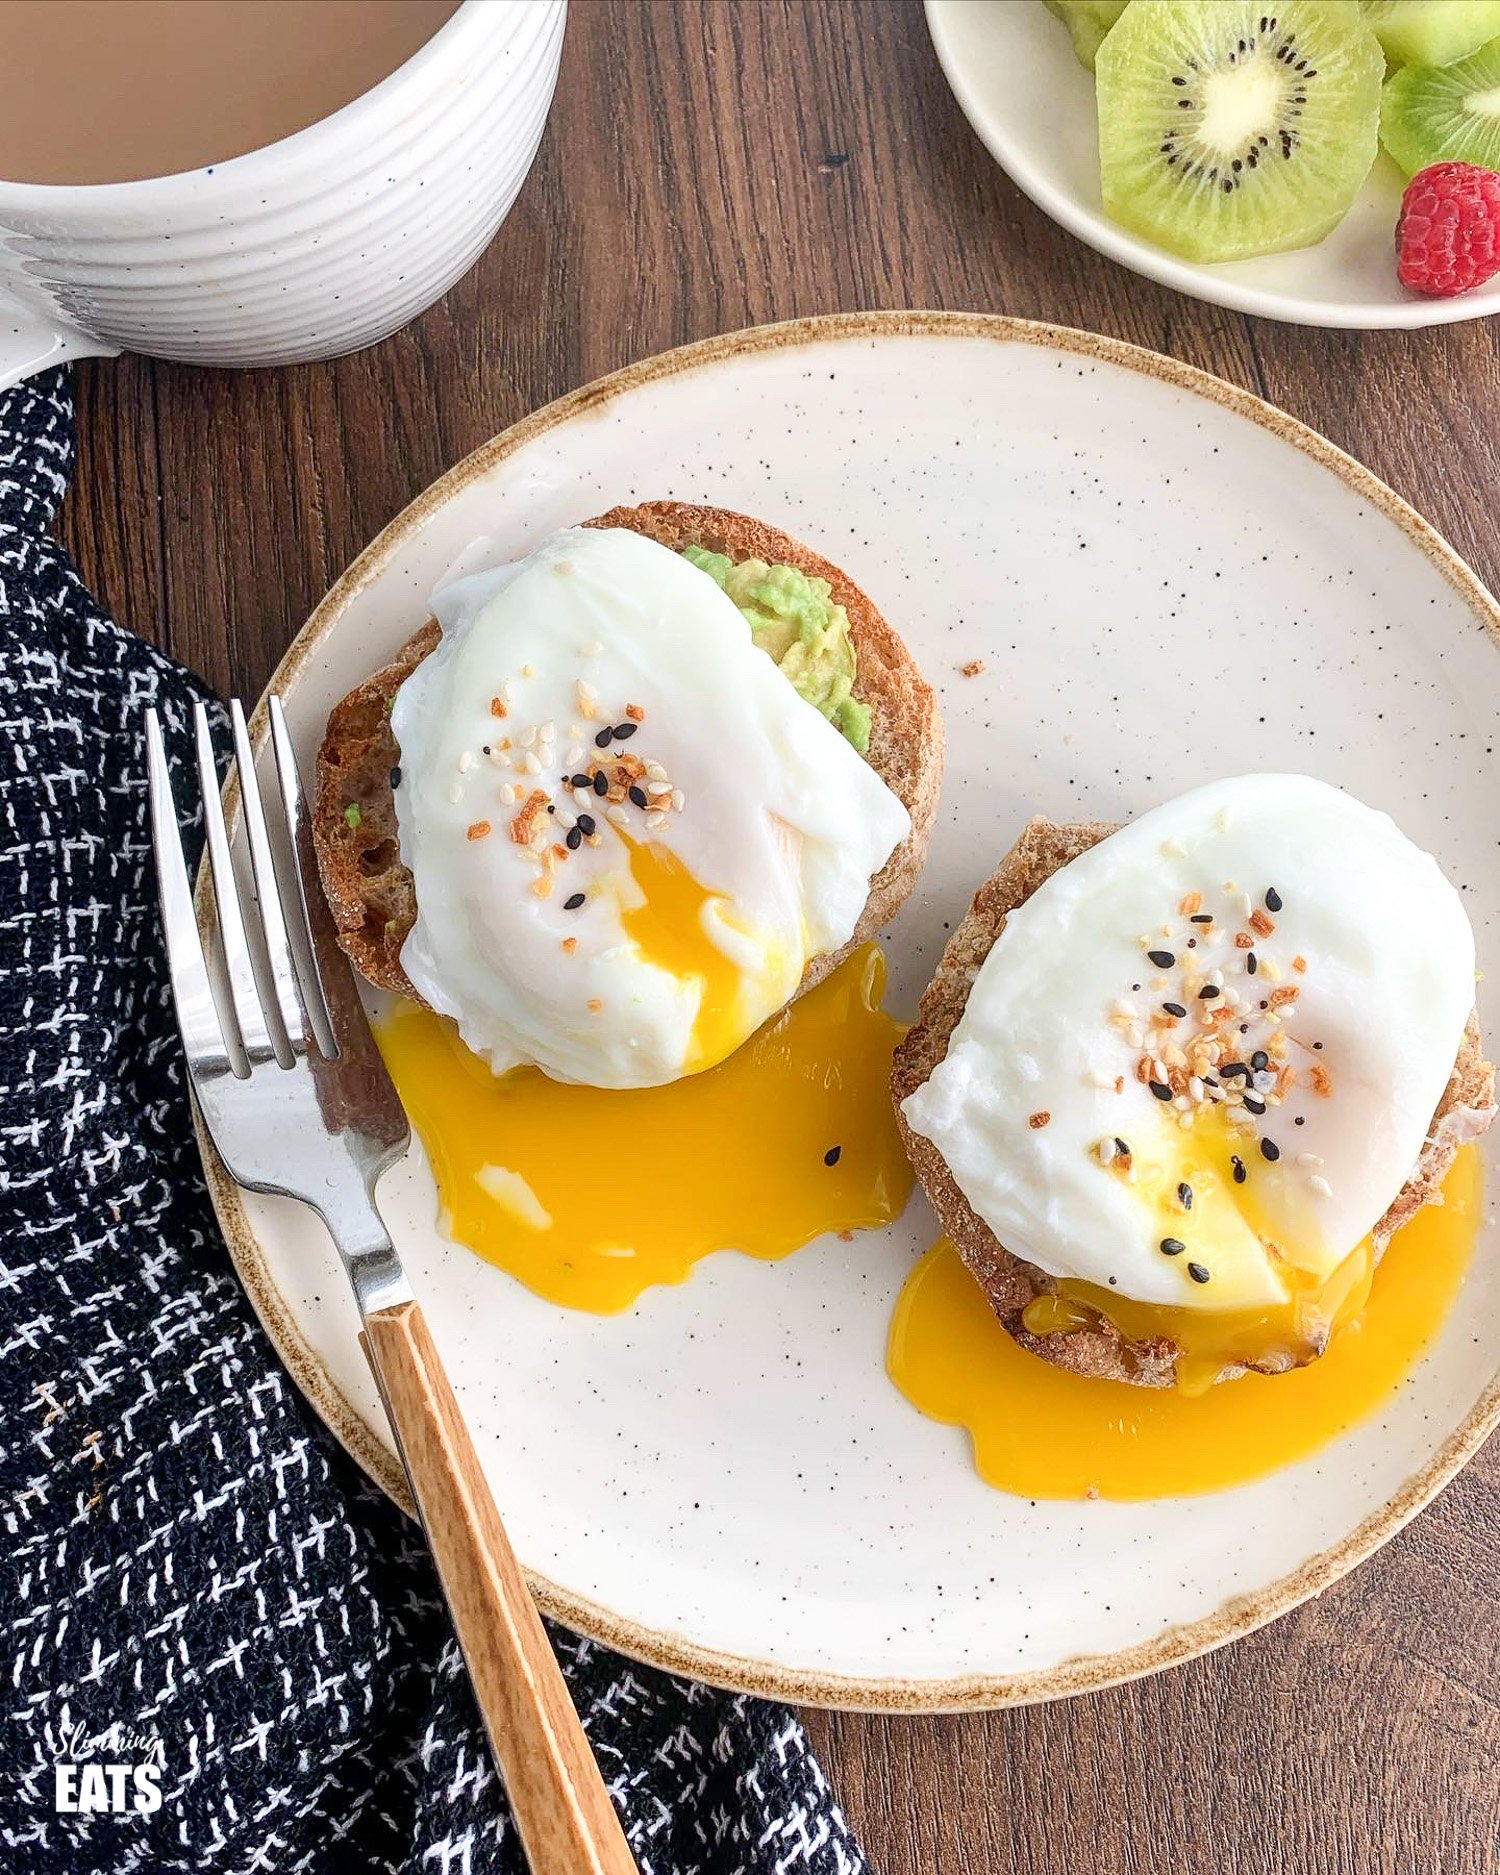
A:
1271, 1300
667, 926
1040, 1431
590, 1195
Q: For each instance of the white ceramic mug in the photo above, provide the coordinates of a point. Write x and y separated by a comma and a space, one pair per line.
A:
308, 248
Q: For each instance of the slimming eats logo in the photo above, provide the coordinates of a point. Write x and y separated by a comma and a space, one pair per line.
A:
113, 1772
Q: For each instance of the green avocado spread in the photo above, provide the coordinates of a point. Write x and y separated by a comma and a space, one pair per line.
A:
794, 621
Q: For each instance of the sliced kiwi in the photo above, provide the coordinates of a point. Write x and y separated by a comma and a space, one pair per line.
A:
1088, 21
1236, 127
1432, 32
1444, 113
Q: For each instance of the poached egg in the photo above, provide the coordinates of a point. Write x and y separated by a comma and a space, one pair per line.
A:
1200, 1062
628, 834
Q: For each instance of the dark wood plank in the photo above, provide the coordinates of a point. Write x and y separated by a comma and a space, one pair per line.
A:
711, 164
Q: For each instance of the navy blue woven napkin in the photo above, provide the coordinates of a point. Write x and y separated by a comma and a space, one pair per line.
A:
195, 1575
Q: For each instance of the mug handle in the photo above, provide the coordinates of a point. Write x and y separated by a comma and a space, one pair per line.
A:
31, 341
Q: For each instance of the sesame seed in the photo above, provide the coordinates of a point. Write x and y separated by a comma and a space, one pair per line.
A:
1239, 1168
601, 783
1317, 1183
1122, 1148
395, 778
622, 732
656, 820
1121, 1006
1202, 917
1209, 992
1160, 1089
580, 781
1250, 964
679, 800
1260, 1061
1252, 1105
831, 1157
1273, 899
573, 758
1198, 1273
573, 839
585, 823
455, 794
1163, 960
548, 732
1172, 1246
1107, 1148
508, 691
1270, 1150
1195, 1088
1308, 1158
528, 737
572, 904
1174, 1009
601, 740
531, 764
638, 796
616, 816
1185, 1195
528, 670
507, 793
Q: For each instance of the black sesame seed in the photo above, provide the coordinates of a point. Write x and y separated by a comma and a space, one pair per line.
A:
1270, 1150
573, 838
1273, 899
1251, 966
396, 775
1299, 1121
1174, 1009
601, 783
638, 796
1163, 960
1202, 917
1233, 1069
1161, 1090
572, 904
1122, 1148
1172, 1246
1239, 1168
586, 825
1209, 992
831, 1157
622, 732
1252, 1105
1185, 1195
580, 781
1198, 1273
1260, 1061
601, 741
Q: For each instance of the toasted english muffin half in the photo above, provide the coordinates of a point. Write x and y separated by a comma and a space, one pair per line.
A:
369, 887
1100, 1350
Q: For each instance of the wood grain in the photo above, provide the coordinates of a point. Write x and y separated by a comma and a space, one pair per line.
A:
709, 164
561, 1809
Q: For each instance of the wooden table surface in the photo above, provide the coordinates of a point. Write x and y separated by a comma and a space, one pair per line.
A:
712, 164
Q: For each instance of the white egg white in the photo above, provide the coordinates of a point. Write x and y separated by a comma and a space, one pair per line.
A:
777, 815
1368, 934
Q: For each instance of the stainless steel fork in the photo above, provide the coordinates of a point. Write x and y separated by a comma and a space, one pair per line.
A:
296, 1099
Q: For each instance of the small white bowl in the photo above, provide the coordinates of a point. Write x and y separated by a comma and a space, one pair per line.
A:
1012, 69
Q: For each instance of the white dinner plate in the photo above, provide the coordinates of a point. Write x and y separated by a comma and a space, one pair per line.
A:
1012, 69
723, 1480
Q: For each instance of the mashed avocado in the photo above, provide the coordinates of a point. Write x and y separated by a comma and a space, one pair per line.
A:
794, 620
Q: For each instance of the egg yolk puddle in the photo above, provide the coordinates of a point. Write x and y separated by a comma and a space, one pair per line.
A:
590, 1195
1039, 1431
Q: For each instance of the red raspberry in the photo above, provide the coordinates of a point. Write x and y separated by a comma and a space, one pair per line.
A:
1448, 234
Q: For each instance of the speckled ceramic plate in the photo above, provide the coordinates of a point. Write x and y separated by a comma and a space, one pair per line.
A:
1012, 69
723, 1481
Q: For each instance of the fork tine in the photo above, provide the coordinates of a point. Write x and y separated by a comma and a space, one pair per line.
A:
273, 924
192, 992
310, 969
248, 1013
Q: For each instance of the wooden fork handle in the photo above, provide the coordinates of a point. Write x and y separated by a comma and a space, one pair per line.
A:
562, 1811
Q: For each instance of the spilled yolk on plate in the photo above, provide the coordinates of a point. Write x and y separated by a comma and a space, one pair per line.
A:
1042, 1432
590, 1195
